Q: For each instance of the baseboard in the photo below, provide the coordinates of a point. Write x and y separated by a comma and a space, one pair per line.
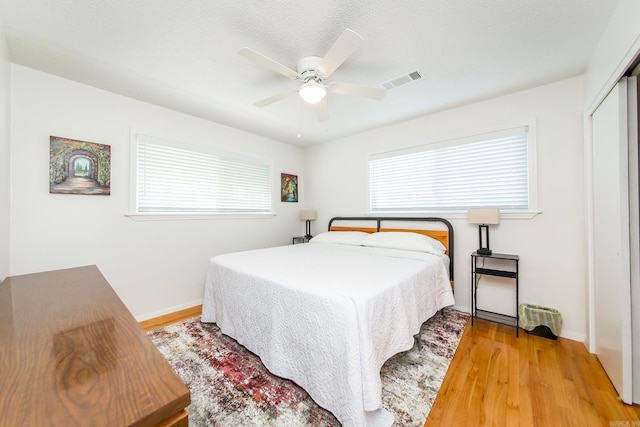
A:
168, 310
574, 337
568, 335
462, 309
168, 319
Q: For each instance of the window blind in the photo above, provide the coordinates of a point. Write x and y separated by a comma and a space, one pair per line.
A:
485, 170
172, 179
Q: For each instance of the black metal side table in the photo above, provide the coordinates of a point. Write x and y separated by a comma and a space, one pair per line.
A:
479, 270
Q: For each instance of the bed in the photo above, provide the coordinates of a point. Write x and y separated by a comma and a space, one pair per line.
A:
329, 313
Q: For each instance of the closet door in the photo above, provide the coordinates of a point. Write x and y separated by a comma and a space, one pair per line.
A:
611, 240
634, 224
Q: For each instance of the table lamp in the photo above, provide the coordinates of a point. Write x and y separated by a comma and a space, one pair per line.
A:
308, 216
483, 217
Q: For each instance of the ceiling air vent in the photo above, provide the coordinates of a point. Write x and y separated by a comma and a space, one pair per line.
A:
403, 79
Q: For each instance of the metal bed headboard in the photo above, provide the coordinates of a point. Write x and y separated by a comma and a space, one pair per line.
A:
378, 222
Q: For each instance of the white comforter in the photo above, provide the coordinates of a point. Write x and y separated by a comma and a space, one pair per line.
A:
328, 316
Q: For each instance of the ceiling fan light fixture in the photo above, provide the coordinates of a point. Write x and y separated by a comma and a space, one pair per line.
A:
312, 92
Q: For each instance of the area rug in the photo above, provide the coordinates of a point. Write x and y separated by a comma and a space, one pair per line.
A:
230, 386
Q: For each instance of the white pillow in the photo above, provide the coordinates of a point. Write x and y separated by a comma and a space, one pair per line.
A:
407, 241
342, 237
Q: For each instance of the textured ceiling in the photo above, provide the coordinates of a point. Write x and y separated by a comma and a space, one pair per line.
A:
183, 54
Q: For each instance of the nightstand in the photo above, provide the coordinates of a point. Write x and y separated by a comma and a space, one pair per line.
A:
299, 239
479, 269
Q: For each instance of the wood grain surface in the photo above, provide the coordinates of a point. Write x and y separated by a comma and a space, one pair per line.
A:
71, 354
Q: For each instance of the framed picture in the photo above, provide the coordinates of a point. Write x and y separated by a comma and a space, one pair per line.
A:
288, 187
79, 167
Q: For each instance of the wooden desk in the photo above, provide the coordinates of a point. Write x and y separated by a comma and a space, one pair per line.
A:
71, 354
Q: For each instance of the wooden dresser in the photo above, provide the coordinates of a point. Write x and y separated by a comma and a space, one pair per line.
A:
71, 354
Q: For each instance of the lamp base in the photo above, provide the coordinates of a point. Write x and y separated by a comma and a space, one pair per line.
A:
307, 230
484, 251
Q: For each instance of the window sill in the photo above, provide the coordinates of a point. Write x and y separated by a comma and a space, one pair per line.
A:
456, 214
191, 217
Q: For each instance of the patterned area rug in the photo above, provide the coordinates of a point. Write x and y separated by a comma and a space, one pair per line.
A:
230, 386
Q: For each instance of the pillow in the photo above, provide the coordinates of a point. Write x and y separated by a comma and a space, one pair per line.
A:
342, 237
407, 241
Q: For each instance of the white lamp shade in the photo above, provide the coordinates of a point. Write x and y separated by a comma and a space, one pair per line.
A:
312, 92
488, 216
308, 215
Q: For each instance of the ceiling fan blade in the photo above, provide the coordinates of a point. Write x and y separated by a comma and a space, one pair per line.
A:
358, 90
275, 98
269, 63
322, 110
346, 44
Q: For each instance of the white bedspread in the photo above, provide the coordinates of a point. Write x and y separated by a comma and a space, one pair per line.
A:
328, 316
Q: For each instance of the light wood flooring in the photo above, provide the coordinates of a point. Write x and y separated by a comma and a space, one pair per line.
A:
496, 379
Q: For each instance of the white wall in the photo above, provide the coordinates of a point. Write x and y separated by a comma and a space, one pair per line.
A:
617, 48
551, 245
5, 91
155, 266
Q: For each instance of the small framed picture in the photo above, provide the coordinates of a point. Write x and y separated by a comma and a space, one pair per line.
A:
288, 187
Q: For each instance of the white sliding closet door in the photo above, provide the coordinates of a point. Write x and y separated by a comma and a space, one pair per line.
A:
634, 226
611, 240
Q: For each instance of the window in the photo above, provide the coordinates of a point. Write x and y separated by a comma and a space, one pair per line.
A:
174, 178
488, 170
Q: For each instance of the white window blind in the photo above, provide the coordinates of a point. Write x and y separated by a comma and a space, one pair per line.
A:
485, 170
172, 179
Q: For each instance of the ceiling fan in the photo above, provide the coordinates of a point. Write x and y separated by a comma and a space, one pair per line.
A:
312, 71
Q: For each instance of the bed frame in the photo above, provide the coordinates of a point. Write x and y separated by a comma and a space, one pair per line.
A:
371, 224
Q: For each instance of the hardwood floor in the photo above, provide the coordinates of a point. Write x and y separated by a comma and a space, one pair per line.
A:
499, 380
